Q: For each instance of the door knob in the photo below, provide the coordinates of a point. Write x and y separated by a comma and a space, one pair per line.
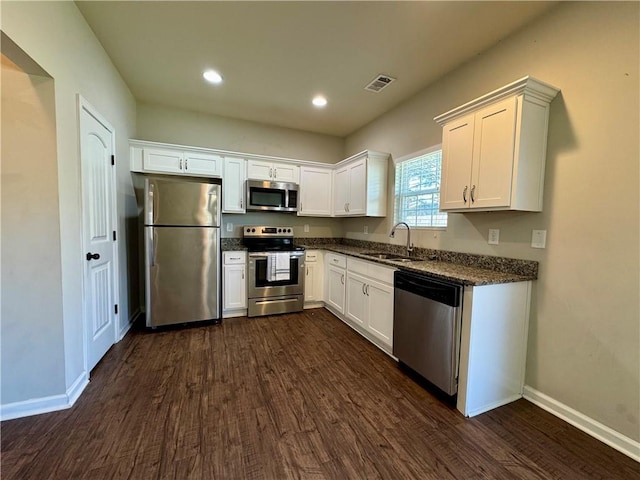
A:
94, 256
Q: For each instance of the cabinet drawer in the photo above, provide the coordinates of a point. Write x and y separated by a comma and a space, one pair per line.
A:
312, 256
371, 270
234, 258
336, 260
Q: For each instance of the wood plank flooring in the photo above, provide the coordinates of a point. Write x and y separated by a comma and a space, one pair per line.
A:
298, 396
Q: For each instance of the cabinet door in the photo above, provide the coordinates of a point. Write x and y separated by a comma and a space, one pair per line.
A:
312, 285
235, 287
162, 160
314, 275
357, 301
284, 172
494, 140
202, 164
259, 170
340, 191
315, 191
335, 287
380, 316
457, 156
357, 202
233, 184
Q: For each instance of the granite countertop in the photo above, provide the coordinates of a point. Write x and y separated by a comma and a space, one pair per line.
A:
464, 268
447, 270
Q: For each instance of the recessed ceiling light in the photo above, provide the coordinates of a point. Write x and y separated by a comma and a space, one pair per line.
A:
212, 76
319, 101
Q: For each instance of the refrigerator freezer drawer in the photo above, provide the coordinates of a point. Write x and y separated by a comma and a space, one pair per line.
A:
182, 274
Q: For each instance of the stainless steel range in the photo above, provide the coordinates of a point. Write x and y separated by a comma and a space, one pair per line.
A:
276, 270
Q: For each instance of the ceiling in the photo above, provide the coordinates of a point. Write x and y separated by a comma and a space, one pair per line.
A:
275, 56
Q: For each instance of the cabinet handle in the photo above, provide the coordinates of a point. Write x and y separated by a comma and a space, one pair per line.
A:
473, 196
234, 258
342, 279
241, 204
367, 290
180, 168
364, 285
275, 173
186, 164
271, 173
243, 274
464, 194
307, 271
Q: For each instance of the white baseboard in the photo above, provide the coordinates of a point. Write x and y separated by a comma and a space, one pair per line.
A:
124, 329
491, 406
242, 312
588, 425
53, 403
77, 387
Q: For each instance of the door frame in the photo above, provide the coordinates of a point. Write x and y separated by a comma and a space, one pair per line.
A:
83, 104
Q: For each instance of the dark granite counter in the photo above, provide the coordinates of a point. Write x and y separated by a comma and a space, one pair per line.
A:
467, 269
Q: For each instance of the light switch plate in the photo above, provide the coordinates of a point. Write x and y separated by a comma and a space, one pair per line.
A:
494, 236
539, 238
366, 229
306, 228
229, 227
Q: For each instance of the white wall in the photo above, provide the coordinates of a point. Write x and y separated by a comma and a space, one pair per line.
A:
172, 125
31, 267
55, 35
584, 338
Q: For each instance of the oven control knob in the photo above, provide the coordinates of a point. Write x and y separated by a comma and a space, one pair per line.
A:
279, 230
253, 230
289, 230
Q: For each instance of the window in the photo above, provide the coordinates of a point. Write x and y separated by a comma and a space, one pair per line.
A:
417, 195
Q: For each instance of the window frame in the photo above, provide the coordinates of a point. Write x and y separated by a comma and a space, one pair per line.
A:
409, 157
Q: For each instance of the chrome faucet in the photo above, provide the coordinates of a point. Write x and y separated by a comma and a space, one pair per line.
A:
393, 234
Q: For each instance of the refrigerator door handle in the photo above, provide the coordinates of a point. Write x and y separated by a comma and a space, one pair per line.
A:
152, 250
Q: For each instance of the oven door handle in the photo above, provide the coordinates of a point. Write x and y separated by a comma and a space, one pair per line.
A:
265, 255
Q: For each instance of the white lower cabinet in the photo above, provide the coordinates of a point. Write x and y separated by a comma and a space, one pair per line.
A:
493, 346
334, 282
369, 301
234, 283
313, 280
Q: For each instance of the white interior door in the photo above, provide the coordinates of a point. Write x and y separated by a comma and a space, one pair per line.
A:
99, 239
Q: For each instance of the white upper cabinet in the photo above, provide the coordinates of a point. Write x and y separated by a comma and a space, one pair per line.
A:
315, 191
360, 185
233, 185
494, 149
157, 159
273, 171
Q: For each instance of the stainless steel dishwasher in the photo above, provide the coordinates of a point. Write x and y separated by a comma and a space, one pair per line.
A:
426, 327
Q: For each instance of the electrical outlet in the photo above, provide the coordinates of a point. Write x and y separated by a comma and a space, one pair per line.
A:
306, 228
229, 227
366, 229
494, 236
539, 238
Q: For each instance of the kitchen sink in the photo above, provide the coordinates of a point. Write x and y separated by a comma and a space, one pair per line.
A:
392, 257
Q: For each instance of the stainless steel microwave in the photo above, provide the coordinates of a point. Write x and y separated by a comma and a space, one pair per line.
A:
276, 196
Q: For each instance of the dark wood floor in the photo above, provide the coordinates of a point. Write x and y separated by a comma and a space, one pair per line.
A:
290, 396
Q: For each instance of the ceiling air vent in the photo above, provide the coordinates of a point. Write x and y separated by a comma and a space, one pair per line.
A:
379, 83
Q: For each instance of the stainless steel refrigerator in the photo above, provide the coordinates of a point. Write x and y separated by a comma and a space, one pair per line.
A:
182, 249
